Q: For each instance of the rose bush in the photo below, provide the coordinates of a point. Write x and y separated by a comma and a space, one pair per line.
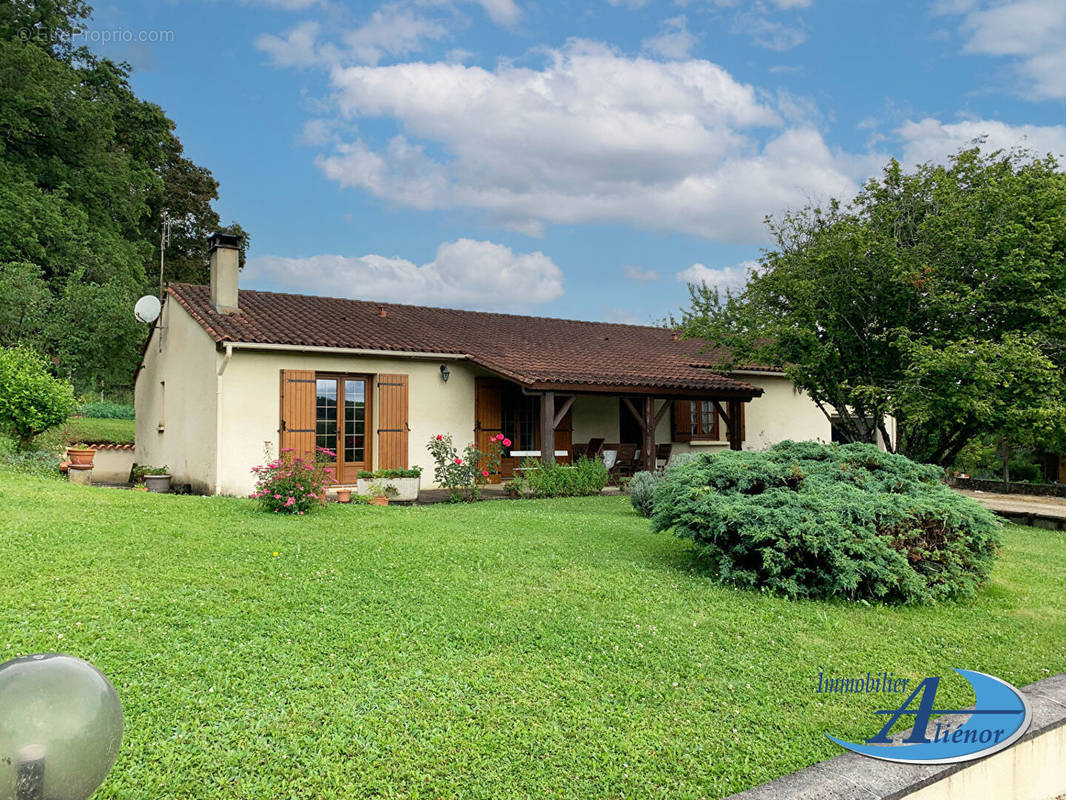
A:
293, 485
463, 475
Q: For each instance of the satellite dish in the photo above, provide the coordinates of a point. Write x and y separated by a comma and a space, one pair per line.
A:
147, 309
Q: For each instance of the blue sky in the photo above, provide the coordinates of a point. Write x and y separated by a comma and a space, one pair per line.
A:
578, 159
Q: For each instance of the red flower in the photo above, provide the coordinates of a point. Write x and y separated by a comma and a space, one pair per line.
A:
484, 473
458, 461
506, 442
439, 437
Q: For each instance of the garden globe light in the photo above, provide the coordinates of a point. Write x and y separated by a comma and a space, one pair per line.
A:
60, 728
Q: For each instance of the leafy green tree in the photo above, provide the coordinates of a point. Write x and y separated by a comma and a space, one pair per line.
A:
87, 170
936, 296
31, 400
24, 304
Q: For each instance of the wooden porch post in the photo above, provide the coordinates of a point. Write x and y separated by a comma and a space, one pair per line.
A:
735, 432
648, 423
547, 429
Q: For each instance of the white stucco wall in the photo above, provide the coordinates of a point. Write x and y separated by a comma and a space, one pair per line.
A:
175, 398
251, 406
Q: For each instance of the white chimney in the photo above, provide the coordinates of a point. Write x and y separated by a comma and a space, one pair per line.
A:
225, 264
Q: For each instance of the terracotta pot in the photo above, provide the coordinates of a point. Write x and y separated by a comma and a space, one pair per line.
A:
344, 495
81, 456
379, 501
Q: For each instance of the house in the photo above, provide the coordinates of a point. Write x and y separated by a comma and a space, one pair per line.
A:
231, 377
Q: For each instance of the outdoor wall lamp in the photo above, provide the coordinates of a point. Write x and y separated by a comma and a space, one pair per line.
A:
62, 728
445, 373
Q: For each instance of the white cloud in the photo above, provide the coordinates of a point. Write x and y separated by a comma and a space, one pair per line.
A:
635, 272
591, 137
932, 140
721, 278
297, 47
392, 30
674, 39
466, 273
502, 12
1032, 31
773, 34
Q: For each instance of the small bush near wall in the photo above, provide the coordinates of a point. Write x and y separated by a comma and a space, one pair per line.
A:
586, 477
642, 492
292, 485
811, 520
413, 472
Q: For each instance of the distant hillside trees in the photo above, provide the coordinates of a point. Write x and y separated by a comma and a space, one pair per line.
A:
937, 296
86, 172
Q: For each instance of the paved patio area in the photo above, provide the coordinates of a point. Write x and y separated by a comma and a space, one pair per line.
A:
1043, 512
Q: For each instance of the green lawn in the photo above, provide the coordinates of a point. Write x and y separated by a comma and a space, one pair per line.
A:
505, 649
87, 430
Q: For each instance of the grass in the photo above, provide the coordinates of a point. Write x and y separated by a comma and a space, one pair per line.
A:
551, 648
86, 430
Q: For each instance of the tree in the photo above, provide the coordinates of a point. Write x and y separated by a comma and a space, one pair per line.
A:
31, 400
936, 296
86, 172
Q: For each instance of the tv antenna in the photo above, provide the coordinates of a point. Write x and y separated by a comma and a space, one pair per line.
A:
164, 241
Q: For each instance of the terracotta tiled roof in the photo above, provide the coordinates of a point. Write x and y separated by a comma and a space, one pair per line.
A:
535, 351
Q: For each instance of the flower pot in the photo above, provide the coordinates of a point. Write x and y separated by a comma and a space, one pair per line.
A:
405, 489
379, 501
344, 495
157, 483
81, 456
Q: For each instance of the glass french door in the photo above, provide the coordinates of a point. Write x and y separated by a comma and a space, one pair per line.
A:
342, 413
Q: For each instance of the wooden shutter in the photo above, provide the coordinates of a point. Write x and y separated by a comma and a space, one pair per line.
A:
681, 417
392, 422
488, 416
297, 430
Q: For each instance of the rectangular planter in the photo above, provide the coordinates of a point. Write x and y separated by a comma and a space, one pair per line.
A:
406, 488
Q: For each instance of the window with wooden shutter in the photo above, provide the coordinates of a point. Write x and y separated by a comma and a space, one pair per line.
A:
698, 420
297, 428
393, 425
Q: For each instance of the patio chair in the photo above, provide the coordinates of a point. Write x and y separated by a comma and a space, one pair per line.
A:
592, 449
662, 456
626, 462
579, 452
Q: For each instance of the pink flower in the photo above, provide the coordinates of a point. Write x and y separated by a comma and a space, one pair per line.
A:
506, 442
288, 450
484, 473
458, 461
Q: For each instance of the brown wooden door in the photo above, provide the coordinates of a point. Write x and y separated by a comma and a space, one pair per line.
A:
297, 428
488, 416
392, 422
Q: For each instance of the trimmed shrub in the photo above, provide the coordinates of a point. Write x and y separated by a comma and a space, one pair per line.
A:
291, 485
586, 477
642, 492
105, 410
819, 521
31, 400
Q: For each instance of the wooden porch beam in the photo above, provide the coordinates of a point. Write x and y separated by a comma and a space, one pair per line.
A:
648, 449
735, 432
721, 411
562, 411
547, 428
633, 409
662, 412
